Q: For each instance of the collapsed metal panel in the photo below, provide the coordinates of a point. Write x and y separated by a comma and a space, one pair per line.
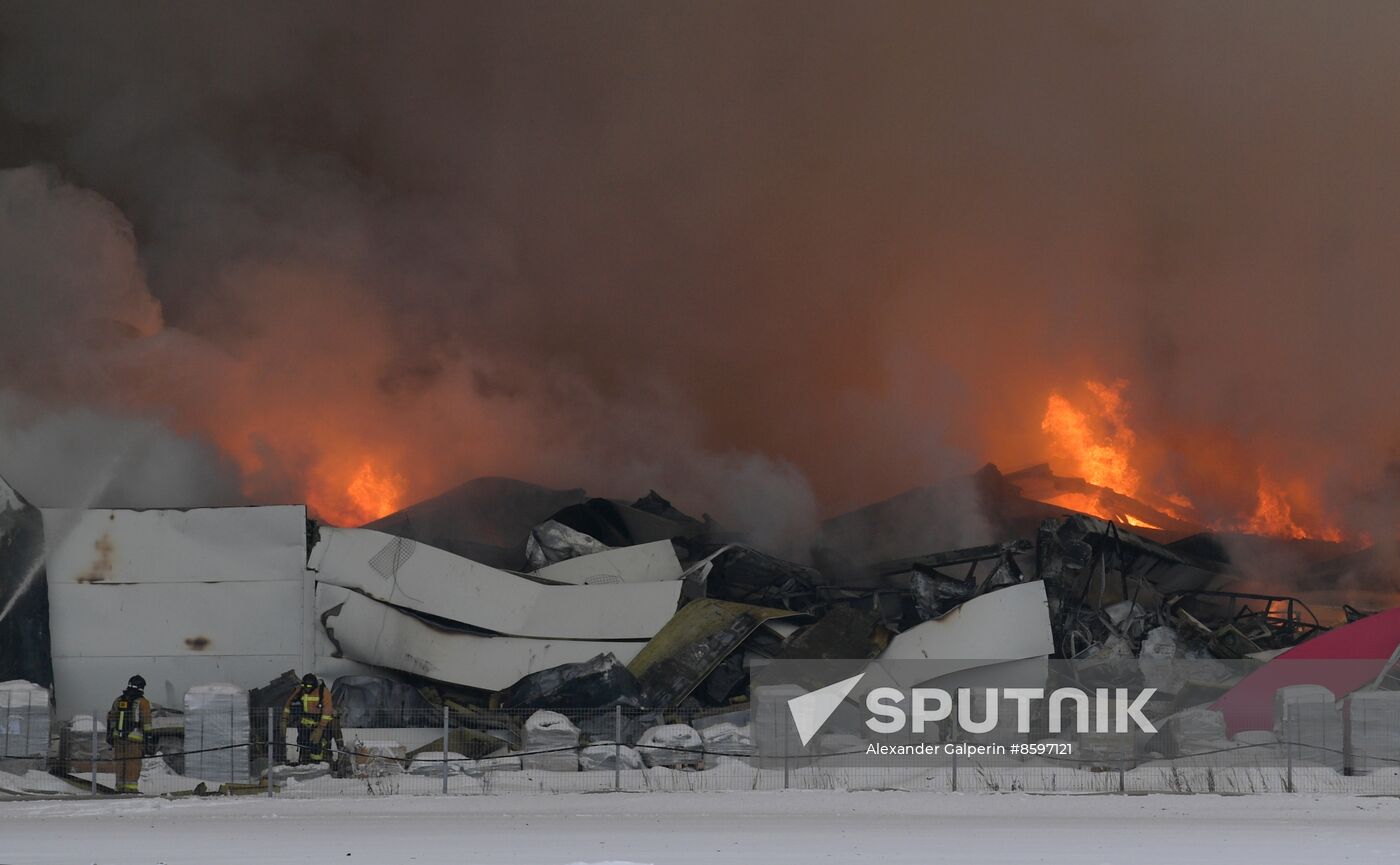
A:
999, 639
406, 574
692, 644
1006, 624
371, 632
643, 563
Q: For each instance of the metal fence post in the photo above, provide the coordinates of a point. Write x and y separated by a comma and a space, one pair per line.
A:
787, 755
92, 755
955, 770
1348, 757
1287, 749
271, 787
617, 748
444, 748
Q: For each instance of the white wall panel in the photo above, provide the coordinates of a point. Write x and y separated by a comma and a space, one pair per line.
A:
180, 619
201, 545
182, 597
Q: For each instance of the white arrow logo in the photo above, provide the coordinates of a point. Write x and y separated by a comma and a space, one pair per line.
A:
811, 710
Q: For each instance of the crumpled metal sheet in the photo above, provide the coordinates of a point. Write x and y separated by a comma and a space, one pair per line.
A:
843, 633
371, 632
737, 573
620, 525
428, 580
1008, 624
599, 682
552, 542
643, 563
936, 594
374, 701
692, 644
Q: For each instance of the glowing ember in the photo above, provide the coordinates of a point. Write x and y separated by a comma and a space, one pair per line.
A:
1093, 505
1142, 524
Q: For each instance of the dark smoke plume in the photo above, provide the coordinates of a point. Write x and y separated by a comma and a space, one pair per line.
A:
777, 258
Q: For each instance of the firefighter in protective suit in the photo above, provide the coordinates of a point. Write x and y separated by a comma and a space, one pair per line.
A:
129, 733
309, 710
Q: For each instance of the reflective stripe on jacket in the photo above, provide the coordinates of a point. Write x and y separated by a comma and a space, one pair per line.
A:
130, 717
312, 708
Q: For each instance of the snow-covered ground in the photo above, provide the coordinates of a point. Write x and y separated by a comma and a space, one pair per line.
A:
772, 828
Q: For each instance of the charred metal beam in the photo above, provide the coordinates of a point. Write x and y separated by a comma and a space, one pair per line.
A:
967, 555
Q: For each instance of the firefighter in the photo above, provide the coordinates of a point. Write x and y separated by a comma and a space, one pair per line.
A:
309, 710
129, 733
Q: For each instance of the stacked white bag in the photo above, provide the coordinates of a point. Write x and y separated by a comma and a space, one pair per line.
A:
216, 717
657, 743
24, 719
548, 731
608, 755
728, 739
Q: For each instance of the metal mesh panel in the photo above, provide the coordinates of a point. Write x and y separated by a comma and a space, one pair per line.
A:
395, 553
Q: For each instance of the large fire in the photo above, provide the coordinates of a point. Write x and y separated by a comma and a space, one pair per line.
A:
1274, 513
1099, 449
354, 493
371, 494
1095, 442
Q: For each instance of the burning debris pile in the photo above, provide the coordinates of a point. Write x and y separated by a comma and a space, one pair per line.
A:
597, 602
501, 597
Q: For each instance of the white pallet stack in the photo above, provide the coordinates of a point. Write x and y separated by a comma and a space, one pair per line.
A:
216, 717
24, 719
1309, 717
1375, 730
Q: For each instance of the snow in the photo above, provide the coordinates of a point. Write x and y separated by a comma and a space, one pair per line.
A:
20, 685
430, 763
84, 724
774, 828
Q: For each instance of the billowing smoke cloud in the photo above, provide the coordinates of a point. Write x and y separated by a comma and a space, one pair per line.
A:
778, 256
80, 457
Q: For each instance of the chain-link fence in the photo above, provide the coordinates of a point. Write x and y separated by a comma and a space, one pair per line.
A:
481, 752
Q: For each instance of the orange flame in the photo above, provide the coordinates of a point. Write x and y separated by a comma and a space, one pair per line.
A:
1092, 504
1097, 445
1273, 515
369, 494
1099, 450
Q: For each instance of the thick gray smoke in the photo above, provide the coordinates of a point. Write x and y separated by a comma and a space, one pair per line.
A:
785, 257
